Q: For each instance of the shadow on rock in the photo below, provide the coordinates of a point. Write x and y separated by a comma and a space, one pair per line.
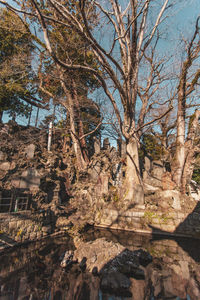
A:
111, 263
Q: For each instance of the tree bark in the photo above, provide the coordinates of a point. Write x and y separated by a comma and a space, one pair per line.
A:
69, 104
190, 150
82, 140
133, 176
179, 159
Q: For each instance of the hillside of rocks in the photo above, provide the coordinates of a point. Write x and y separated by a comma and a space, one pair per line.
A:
54, 181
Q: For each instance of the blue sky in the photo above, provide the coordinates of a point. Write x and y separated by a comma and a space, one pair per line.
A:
181, 24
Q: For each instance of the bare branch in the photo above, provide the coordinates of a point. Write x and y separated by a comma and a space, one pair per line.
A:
156, 119
91, 132
158, 21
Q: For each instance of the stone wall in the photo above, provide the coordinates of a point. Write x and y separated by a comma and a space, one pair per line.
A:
142, 220
25, 226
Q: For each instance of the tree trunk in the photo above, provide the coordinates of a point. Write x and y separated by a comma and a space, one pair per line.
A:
179, 159
190, 150
29, 117
37, 115
80, 123
69, 105
133, 177
77, 149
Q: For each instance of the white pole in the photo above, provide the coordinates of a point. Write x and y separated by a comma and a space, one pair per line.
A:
50, 135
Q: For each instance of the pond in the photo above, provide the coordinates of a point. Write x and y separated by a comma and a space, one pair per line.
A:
33, 271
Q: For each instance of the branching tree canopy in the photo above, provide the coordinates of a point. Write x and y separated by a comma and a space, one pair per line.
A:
70, 88
17, 79
133, 26
126, 33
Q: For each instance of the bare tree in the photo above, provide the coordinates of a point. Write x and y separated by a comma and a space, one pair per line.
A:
188, 80
133, 25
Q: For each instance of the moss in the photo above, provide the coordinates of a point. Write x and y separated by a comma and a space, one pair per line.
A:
116, 197
20, 232
164, 218
149, 215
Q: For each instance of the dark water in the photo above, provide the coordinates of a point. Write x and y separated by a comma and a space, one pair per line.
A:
33, 271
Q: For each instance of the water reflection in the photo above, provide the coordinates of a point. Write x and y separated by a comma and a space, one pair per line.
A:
33, 271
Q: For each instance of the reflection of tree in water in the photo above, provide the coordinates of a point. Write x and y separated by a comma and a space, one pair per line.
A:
34, 272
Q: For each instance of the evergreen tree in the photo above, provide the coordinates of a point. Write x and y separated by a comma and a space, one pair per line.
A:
18, 86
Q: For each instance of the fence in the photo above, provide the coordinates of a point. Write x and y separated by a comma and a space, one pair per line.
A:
14, 203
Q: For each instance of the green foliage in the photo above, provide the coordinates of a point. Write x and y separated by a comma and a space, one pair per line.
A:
192, 117
16, 75
67, 43
196, 175
151, 146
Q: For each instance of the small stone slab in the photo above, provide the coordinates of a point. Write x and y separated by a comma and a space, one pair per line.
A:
30, 151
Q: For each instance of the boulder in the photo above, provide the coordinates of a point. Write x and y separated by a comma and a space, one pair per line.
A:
145, 258
5, 166
157, 169
3, 156
67, 259
97, 145
106, 144
174, 196
98, 252
138, 196
150, 189
111, 262
115, 283
167, 183
30, 151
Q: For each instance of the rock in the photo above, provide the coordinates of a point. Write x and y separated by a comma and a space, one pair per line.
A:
145, 258
182, 268
95, 271
115, 282
132, 270
171, 195
98, 252
104, 183
149, 189
157, 169
97, 145
167, 183
82, 264
46, 229
30, 151
138, 196
3, 156
30, 179
176, 203
106, 144
95, 170
127, 263
194, 190
147, 164
5, 166
165, 205
68, 259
